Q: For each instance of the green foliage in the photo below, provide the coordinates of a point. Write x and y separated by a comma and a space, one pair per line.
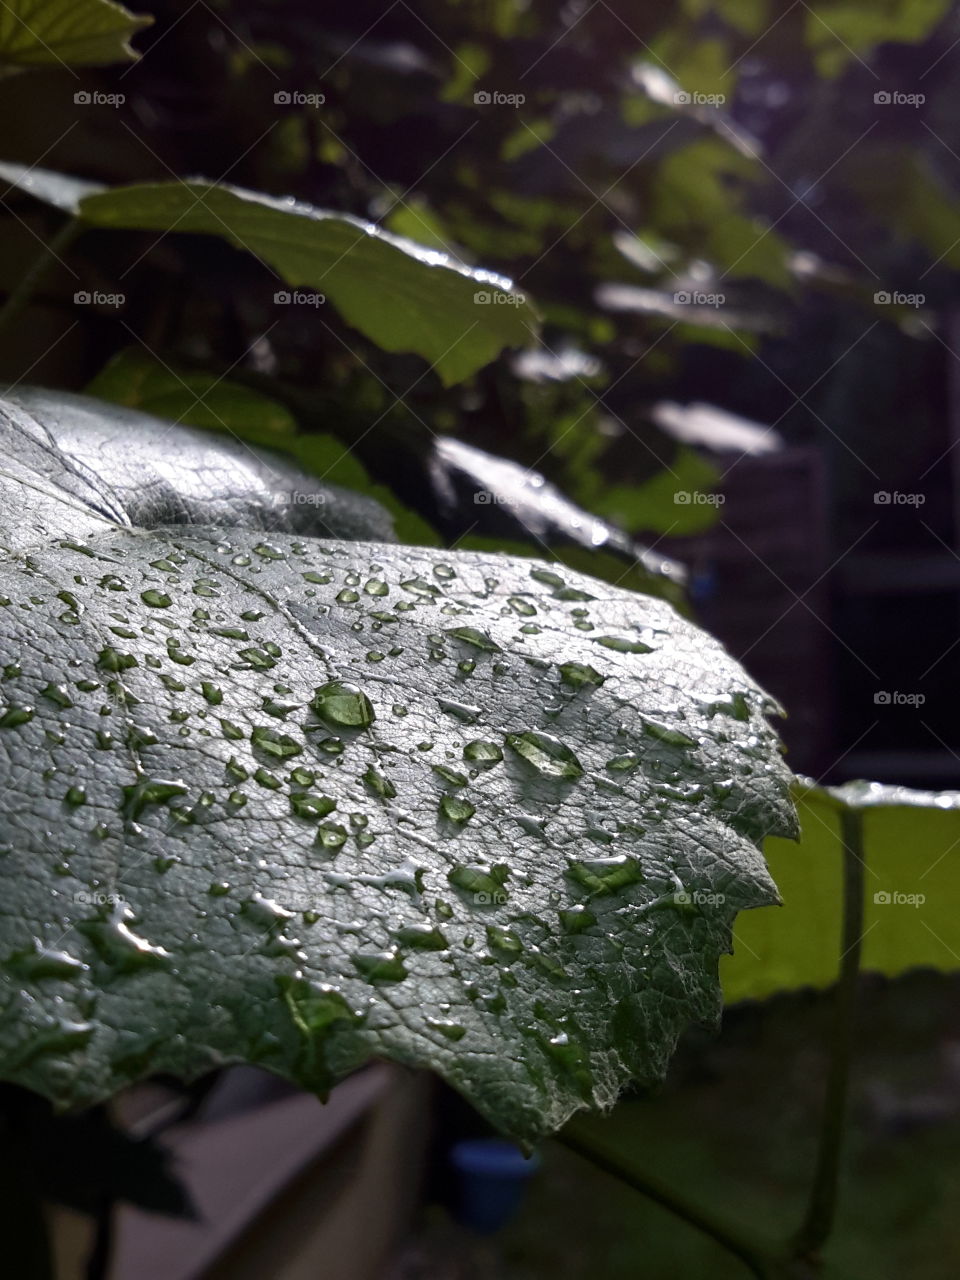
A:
196, 398
310, 747
910, 848
65, 33
663, 505
840, 30
399, 294
310, 758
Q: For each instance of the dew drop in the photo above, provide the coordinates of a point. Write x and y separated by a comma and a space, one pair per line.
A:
279, 746
548, 755
382, 966
579, 675
482, 754
156, 599
343, 705
456, 809
479, 639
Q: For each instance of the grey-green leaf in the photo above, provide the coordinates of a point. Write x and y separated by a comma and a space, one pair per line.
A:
103, 460
172, 901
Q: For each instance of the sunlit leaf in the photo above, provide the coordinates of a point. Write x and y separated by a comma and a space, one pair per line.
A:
302, 803
72, 33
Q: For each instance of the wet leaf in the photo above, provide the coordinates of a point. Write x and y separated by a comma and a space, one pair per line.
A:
280, 873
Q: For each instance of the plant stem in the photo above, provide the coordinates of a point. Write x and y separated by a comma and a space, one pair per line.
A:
821, 1207
761, 1260
26, 286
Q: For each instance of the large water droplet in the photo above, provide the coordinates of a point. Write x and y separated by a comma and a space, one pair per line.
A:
331, 837
606, 875
485, 884
471, 636
548, 755
117, 944
279, 746
44, 962
449, 1030
424, 937
382, 966
343, 705
663, 733
57, 694
156, 599
577, 919
504, 941
378, 784
145, 791
482, 754
621, 644
307, 805
111, 659
578, 675
456, 809
461, 711
13, 717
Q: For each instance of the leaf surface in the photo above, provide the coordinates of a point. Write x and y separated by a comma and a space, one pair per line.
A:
41, 33
401, 295
301, 802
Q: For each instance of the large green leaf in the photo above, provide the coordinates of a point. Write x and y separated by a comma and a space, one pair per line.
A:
301, 802
911, 850
40, 33
401, 295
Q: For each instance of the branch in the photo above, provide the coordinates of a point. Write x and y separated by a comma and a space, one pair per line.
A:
761, 1260
821, 1207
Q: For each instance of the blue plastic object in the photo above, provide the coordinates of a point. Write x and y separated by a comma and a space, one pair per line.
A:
492, 1175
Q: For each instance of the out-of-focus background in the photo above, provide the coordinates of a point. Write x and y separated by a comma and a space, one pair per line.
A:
740, 223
